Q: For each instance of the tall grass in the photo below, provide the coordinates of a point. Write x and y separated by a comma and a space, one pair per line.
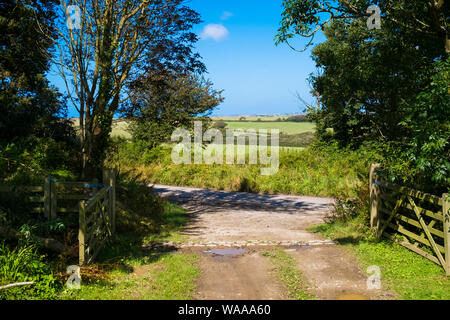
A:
25, 264
318, 170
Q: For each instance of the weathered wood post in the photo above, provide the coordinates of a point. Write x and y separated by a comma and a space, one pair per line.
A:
446, 213
109, 179
81, 232
53, 200
47, 198
113, 202
374, 197
95, 187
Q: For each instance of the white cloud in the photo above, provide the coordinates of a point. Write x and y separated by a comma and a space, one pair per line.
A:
226, 15
214, 31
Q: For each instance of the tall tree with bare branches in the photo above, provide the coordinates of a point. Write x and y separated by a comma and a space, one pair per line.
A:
103, 45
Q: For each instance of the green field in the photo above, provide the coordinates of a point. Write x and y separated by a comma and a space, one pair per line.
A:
120, 126
250, 118
119, 129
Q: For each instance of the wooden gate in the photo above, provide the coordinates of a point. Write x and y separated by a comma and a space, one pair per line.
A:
416, 220
93, 202
97, 218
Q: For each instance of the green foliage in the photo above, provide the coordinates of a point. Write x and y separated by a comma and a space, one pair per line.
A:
427, 20
220, 124
423, 159
24, 264
320, 170
283, 126
366, 86
28, 104
164, 103
297, 118
130, 267
387, 86
139, 211
30, 160
161, 276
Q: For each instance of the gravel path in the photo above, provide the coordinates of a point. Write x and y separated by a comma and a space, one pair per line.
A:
221, 219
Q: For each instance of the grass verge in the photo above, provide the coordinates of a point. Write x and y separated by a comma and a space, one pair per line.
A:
131, 268
404, 272
315, 171
289, 275
155, 276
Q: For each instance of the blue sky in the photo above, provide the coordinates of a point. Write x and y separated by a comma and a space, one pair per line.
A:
237, 45
257, 77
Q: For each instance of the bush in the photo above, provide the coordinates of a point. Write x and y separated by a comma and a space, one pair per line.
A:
139, 210
220, 124
298, 118
422, 160
31, 160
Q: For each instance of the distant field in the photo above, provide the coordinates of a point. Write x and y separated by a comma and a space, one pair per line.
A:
120, 129
287, 128
250, 118
284, 127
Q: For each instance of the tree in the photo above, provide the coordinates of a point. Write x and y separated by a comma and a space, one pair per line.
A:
388, 86
429, 18
163, 102
366, 78
220, 124
28, 104
427, 150
113, 43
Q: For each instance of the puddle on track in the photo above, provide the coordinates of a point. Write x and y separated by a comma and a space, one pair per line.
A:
226, 252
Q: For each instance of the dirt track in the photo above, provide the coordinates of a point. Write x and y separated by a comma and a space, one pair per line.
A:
222, 219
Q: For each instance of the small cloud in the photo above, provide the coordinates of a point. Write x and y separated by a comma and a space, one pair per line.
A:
214, 31
226, 15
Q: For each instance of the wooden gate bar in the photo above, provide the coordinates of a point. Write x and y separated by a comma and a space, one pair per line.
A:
446, 223
387, 199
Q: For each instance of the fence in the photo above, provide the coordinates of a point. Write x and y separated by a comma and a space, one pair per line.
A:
416, 220
93, 202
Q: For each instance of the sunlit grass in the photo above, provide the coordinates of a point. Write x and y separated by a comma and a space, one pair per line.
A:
404, 272
301, 172
286, 271
164, 277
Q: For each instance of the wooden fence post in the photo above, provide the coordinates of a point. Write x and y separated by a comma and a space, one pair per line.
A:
53, 200
113, 184
47, 198
374, 197
82, 232
446, 216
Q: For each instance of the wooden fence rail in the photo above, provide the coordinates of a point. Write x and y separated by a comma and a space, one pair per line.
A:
93, 202
416, 220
